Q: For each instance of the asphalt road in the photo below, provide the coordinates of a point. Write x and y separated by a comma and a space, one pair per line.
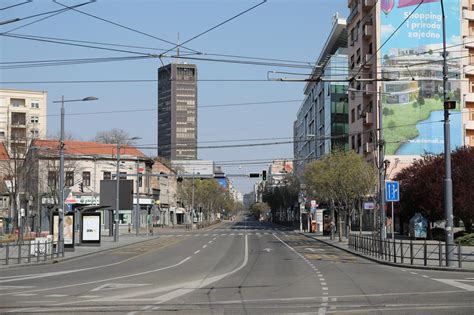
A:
243, 267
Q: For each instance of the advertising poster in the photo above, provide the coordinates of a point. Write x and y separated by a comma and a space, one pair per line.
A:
91, 228
412, 104
68, 230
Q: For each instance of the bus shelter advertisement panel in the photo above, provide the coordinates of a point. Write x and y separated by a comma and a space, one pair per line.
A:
412, 104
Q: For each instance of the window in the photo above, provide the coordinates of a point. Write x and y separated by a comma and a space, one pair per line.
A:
353, 115
17, 102
34, 133
359, 140
353, 142
69, 179
52, 177
34, 119
359, 111
471, 114
86, 178
123, 175
140, 181
2, 133
107, 175
35, 104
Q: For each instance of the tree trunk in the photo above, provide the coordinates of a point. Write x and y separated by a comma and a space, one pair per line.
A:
340, 226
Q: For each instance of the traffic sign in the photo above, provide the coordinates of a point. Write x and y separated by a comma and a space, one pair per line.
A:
392, 191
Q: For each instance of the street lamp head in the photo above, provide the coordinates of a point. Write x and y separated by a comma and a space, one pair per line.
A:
90, 98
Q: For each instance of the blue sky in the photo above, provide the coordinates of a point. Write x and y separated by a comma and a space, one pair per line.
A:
281, 29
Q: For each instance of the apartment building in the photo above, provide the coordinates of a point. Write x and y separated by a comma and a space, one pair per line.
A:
86, 164
322, 119
22, 118
177, 112
363, 67
467, 30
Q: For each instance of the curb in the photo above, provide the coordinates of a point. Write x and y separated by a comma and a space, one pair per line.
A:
388, 263
60, 259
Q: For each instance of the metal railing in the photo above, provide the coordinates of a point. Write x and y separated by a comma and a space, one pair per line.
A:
421, 253
29, 251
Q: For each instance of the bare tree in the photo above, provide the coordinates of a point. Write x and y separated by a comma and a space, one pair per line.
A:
113, 136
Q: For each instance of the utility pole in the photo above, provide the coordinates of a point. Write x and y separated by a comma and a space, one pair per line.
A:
61, 181
448, 184
192, 200
381, 164
117, 197
137, 207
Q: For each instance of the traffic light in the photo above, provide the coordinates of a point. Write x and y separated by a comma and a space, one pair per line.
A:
253, 175
264, 175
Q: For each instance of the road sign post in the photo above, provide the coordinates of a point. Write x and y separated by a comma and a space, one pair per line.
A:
392, 194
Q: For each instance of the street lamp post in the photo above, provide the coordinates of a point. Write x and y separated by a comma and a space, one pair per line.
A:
61, 169
448, 183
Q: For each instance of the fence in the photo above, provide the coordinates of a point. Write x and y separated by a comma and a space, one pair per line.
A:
421, 253
29, 251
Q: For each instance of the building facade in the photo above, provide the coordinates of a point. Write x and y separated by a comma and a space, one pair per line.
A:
467, 31
177, 112
322, 119
363, 70
86, 164
22, 118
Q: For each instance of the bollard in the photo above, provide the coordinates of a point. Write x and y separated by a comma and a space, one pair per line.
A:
38, 252
62, 253
19, 252
425, 254
7, 252
440, 254
52, 250
459, 255
45, 250
29, 252
401, 251
394, 251
411, 252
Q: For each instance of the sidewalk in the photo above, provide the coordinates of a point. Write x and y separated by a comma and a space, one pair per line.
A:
107, 243
468, 266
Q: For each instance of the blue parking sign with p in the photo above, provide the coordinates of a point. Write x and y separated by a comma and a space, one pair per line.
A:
392, 191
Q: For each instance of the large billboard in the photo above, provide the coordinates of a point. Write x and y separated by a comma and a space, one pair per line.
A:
412, 104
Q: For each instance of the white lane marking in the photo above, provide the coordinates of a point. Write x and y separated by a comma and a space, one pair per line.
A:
25, 294
324, 283
108, 279
458, 284
179, 289
231, 234
425, 276
209, 242
325, 288
321, 311
204, 246
113, 286
56, 295
88, 296
413, 273
8, 287
333, 299
197, 252
325, 299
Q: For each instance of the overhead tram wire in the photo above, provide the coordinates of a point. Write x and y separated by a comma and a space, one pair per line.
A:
15, 5
155, 109
52, 13
125, 27
216, 26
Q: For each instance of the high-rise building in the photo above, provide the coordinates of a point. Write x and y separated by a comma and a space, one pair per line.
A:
177, 112
22, 118
322, 121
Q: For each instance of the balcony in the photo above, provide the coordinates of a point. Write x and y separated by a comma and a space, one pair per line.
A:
469, 97
368, 148
367, 4
469, 125
469, 69
368, 60
468, 15
468, 41
367, 32
369, 89
368, 118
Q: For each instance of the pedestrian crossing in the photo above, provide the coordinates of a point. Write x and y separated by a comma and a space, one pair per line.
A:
230, 232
